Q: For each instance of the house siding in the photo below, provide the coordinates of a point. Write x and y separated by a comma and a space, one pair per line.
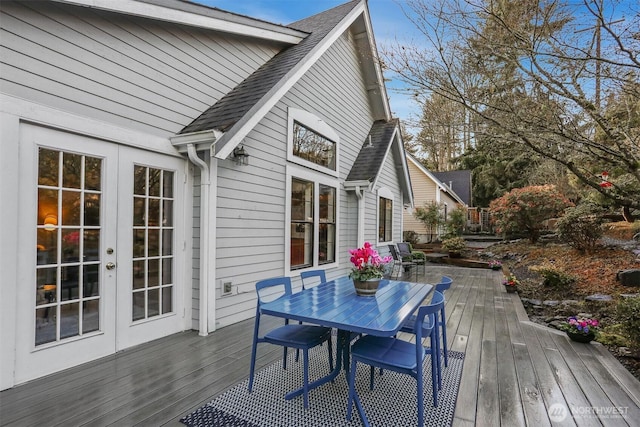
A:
252, 200
388, 178
424, 191
136, 73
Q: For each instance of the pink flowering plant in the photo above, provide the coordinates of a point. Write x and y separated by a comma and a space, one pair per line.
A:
494, 264
368, 264
511, 280
581, 325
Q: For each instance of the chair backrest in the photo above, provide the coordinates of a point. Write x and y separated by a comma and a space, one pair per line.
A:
394, 252
445, 283
283, 281
436, 304
404, 248
306, 277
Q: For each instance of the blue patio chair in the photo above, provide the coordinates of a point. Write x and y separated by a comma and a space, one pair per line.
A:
300, 337
441, 325
306, 276
394, 354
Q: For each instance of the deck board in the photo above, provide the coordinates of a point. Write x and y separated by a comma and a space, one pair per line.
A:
514, 371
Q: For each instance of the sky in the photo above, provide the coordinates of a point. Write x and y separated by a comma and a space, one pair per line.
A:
386, 16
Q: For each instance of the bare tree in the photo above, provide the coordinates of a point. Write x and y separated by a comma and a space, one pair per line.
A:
527, 71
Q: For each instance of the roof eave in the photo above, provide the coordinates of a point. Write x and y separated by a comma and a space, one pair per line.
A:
212, 19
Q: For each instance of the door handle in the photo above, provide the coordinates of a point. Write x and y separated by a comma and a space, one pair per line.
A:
110, 266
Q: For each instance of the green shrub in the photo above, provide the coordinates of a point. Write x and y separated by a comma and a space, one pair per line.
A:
581, 226
553, 276
628, 314
456, 222
410, 236
454, 244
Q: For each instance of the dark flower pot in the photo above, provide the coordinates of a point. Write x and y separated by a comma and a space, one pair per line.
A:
580, 337
510, 289
366, 288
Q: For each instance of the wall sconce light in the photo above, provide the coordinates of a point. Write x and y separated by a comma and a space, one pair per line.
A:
50, 222
240, 156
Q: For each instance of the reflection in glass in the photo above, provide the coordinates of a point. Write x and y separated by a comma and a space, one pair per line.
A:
152, 236
140, 180
167, 264
70, 208
69, 320
71, 170
91, 281
70, 283
47, 247
154, 213
153, 302
91, 209
311, 146
92, 173
154, 243
46, 325
138, 243
47, 205
90, 316
167, 300
167, 213
69, 241
154, 272
138, 305
154, 182
46, 289
91, 245
48, 167
167, 187
139, 273
138, 211
71, 245
167, 242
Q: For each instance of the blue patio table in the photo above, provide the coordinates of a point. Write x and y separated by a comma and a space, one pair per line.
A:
335, 304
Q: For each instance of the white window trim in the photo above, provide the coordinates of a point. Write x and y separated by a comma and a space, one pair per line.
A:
387, 194
293, 171
316, 124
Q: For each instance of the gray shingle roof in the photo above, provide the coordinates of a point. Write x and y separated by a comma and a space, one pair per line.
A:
234, 105
370, 159
460, 181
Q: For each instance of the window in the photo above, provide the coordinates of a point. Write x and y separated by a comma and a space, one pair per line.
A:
385, 220
312, 143
312, 230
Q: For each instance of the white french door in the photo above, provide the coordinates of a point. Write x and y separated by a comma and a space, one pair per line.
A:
107, 271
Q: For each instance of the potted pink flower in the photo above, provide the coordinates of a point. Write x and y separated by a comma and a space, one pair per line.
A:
368, 269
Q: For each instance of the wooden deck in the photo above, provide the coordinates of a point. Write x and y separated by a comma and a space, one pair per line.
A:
515, 373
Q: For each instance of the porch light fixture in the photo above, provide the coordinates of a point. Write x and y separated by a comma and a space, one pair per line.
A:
240, 156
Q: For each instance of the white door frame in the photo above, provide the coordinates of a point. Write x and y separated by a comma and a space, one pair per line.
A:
51, 358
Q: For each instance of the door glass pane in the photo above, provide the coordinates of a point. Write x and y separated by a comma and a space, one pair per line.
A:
48, 167
152, 242
68, 247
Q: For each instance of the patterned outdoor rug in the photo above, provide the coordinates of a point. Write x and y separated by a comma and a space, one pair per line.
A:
392, 402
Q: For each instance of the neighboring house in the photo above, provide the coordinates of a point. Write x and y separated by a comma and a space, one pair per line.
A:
428, 188
460, 182
130, 209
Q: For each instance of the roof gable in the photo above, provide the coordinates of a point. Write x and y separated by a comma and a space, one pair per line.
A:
459, 181
240, 110
383, 137
432, 176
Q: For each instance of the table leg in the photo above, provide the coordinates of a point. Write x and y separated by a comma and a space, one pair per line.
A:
342, 356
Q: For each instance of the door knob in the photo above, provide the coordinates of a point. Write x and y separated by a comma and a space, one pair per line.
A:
110, 266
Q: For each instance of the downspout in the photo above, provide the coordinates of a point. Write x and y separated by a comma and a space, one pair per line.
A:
360, 196
204, 238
